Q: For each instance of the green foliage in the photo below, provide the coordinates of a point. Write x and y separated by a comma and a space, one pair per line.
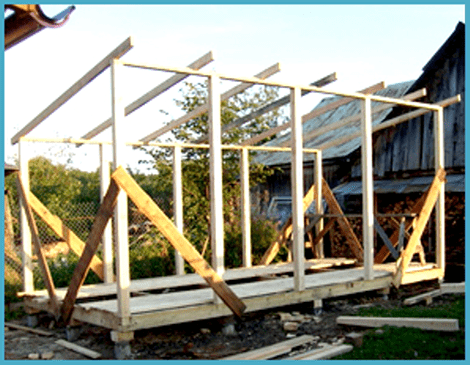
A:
411, 343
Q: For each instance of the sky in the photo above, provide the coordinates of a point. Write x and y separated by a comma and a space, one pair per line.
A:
364, 44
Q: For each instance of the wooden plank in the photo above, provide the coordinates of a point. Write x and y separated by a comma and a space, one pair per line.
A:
28, 329
314, 113
354, 118
439, 163
385, 238
269, 352
324, 231
423, 218
59, 228
430, 324
272, 106
158, 90
297, 191
75, 88
318, 173
46, 274
420, 297
286, 230
323, 353
245, 207
177, 240
80, 349
344, 225
453, 288
105, 212
107, 241
417, 276
178, 203
204, 108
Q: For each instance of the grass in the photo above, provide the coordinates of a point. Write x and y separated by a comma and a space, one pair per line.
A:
411, 343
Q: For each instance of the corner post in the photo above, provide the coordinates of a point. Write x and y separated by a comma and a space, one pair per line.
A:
107, 234
367, 189
121, 237
297, 190
215, 163
27, 251
245, 205
439, 162
319, 201
178, 203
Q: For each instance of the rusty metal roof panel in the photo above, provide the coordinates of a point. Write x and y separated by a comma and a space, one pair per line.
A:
333, 116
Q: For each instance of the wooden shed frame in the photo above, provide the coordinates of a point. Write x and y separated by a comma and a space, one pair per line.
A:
153, 310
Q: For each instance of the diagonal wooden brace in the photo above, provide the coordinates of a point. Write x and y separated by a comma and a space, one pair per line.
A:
147, 206
46, 274
105, 212
423, 218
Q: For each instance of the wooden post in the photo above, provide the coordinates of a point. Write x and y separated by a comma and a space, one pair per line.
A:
178, 203
216, 196
319, 249
297, 191
367, 189
439, 163
245, 205
121, 237
107, 239
27, 252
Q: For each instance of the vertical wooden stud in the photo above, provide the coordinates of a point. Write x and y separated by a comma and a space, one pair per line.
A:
297, 191
215, 150
121, 237
107, 240
178, 203
439, 162
319, 201
245, 205
27, 252
367, 189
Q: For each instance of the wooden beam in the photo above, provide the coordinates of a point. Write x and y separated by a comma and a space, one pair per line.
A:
439, 163
75, 88
105, 212
46, 274
390, 123
271, 351
318, 173
423, 218
245, 207
314, 113
28, 329
354, 118
158, 90
80, 349
385, 239
177, 240
286, 230
107, 240
344, 225
420, 297
178, 203
204, 108
323, 353
60, 229
430, 324
324, 231
272, 106
453, 288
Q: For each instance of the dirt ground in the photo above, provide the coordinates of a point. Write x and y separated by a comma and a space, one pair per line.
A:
212, 339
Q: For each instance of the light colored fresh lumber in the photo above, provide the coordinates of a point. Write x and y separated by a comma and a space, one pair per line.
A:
164, 86
75, 88
267, 108
354, 118
59, 228
107, 240
269, 352
177, 240
426, 274
390, 123
421, 222
424, 296
80, 272
439, 164
431, 324
28, 329
245, 207
314, 113
318, 247
453, 288
46, 274
80, 349
344, 225
204, 108
323, 353
178, 203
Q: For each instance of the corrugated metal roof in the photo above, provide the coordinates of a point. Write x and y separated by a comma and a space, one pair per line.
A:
455, 184
335, 115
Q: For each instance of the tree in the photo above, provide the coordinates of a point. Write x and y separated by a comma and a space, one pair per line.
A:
195, 165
